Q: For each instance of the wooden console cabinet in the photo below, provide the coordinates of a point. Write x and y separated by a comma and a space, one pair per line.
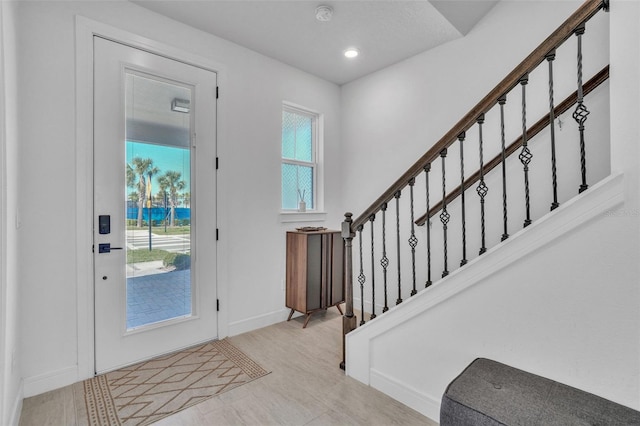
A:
315, 273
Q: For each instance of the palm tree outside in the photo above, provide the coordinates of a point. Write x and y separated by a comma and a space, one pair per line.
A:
171, 184
143, 168
186, 199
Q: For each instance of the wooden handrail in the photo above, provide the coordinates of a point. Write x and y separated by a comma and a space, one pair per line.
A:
562, 33
540, 125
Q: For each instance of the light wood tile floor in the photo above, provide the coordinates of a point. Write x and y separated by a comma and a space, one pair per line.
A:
305, 386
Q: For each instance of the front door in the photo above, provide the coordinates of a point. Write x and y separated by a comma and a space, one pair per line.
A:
154, 205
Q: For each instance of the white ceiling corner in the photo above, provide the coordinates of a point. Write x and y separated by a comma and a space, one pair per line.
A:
384, 31
463, 14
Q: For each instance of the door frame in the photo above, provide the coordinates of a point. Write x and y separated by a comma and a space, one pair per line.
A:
86, 29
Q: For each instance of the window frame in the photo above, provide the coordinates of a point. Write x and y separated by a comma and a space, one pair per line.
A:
316, 156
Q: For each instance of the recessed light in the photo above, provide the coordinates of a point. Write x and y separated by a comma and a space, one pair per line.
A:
351, 53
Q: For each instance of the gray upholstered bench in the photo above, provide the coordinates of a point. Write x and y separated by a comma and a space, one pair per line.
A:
490, 393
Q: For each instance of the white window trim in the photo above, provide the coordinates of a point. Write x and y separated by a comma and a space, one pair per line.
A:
317, 213
308, 216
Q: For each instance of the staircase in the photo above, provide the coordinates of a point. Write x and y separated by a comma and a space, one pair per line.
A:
462, 257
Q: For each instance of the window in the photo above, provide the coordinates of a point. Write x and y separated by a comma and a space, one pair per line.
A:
299, 158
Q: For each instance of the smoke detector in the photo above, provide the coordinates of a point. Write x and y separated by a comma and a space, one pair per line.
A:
324, 13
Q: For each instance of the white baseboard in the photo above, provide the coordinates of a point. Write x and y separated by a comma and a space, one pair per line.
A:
425, 404
16, 407
49, 381
258, 321
37, 385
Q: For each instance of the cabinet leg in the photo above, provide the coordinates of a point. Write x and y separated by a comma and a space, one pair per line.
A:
306, 321
339, 309
290, 314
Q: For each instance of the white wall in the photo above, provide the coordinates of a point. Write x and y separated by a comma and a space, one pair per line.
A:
414, 103
570, 310
10, 359
404, 109
252, 238
251, 250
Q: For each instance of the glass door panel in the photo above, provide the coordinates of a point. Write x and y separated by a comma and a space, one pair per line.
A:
158, 198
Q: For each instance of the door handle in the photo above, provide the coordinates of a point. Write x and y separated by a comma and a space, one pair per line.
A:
106, 248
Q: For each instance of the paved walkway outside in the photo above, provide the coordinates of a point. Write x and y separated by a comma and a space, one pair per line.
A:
139, 239
153, 293
145, 268
158, 297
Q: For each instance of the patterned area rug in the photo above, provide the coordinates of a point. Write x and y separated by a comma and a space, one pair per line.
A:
146, 392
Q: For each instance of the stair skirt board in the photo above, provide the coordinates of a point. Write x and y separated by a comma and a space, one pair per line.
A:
596, 201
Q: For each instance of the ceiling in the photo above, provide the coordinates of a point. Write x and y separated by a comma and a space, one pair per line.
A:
384, 31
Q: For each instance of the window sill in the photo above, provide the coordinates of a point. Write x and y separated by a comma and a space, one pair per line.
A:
310, 216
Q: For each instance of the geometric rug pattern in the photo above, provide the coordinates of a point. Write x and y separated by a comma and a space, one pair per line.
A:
148, 391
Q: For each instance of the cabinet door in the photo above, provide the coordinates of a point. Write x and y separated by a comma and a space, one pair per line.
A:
336, 289
296, 271
314, 272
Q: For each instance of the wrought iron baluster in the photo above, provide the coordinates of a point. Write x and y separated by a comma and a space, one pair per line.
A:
444, 215
413, 240
397, 197
373, 272
427, 169
482, 188
551, 56
361, 277
505, 234
463, 262
385, 260
581, 112
525, 155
